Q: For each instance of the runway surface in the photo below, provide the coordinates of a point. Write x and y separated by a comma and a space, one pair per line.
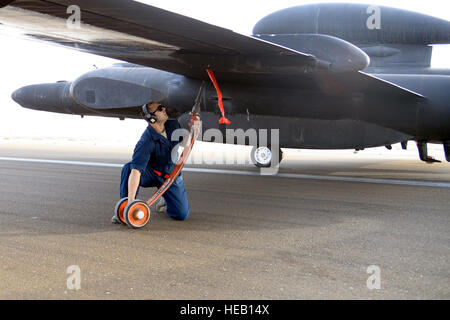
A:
297, 235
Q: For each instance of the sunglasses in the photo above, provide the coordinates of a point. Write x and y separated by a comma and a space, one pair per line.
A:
160, 108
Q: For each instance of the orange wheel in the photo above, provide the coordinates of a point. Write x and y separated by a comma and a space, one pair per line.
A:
120, 207
137, 214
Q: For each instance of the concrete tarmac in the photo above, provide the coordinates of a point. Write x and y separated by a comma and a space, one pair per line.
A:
248, 236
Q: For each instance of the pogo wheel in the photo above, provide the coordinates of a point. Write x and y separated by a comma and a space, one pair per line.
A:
136, 214
120, 207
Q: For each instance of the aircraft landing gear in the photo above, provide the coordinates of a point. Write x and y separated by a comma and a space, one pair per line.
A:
262, 157
423, 153
447, 150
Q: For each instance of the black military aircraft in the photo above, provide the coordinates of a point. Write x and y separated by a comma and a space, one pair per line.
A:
328, 76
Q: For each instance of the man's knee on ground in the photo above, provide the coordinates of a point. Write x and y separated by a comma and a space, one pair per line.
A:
184, 215
180, 215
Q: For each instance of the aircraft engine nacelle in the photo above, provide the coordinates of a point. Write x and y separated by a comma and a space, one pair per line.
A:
126, 87
337, 54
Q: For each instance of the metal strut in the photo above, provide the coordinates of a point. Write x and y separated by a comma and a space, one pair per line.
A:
423, 153
198, 102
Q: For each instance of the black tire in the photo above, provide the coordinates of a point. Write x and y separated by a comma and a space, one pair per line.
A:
118, 208
264, 165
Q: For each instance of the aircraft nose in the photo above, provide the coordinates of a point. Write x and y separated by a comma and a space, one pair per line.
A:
24, 96
52, 97
16, 95
45, 97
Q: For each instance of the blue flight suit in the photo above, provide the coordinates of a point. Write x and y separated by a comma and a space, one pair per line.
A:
153, 152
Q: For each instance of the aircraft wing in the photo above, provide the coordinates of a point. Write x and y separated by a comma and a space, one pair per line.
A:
145, 35
149, 36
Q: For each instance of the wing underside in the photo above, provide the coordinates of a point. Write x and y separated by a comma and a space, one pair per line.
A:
149, 36
145, 35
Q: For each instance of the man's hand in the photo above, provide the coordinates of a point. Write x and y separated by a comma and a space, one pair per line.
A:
133, 184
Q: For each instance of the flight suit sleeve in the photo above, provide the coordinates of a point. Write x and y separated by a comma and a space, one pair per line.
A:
142, 153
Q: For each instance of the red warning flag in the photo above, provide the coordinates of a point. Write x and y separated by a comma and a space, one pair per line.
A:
219, 96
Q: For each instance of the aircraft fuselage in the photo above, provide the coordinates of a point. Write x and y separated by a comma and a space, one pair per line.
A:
306, 118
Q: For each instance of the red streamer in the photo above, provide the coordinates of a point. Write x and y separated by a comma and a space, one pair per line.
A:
222, 120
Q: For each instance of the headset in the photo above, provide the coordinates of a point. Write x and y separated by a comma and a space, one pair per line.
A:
150, 116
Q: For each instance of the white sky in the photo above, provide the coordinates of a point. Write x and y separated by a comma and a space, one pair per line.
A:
24, 62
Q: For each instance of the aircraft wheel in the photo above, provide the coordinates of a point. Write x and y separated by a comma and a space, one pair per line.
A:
136, 214
118, 210
262, 156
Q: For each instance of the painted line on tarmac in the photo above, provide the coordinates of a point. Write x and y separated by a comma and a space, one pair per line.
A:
73, 163
434, 184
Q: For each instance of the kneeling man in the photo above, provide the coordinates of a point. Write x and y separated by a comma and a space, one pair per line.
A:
152, 162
